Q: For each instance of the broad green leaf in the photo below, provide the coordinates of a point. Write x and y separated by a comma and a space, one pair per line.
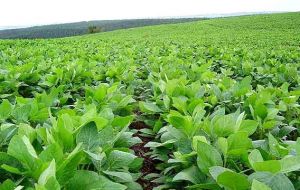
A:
211, 186
191, 174
243, 87
225, 125
222, 144
238, 143
28, 131
21, 148
122, 122
275, 181
100, 92
88, 136
5, 109
119, 159
255, 156
275, 148
272, 166
67, 168
180, 103
8, 185
290, 164
215, 171
261, 111
256, 185
249, 126
21, 113
208, 156
183, 123
52, 184
196, 139
233, 181
88, 180
7, 131
126, 101
119, 176
47, 173
53, 151
64, 130
148, 107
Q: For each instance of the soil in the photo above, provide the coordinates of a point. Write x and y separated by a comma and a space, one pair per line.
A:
141, 151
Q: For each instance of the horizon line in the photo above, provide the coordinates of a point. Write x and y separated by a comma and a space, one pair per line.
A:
210, 15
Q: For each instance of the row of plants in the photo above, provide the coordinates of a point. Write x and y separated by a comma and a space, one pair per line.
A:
220, 113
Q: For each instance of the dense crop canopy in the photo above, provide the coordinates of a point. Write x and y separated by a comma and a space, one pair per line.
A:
220, 99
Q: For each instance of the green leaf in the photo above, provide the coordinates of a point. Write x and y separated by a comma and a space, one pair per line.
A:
148, 107
133, 186
21, 114
67, 168
269, 124
272, 166
180, 103
215, 171
7, 131
212, 186
52, 184
27, 130
249, 126
275, 148
238, 143
125, 101
222, 144
100, 92
122, 122
11, 169
21, 148
256, 185
5, 109
88, 136
243, 87
88, 180
261, 111
195, 141
290, 164
119, 159
64, 131
53, 151
183, 123
208, 156
255, 156
275, 181
47, 173
120, 176
225, 125
233, 181
8, 185
191, 174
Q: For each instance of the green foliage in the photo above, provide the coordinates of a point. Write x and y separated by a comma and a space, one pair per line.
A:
220, 99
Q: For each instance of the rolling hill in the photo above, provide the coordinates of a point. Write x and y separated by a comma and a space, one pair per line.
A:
81, 28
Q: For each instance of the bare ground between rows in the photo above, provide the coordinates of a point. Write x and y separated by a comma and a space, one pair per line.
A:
142, 151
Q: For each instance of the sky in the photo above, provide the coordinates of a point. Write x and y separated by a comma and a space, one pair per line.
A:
39, 12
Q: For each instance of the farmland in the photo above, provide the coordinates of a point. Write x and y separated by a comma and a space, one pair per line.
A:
212, 104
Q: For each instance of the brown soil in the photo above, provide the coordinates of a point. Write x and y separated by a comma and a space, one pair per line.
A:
141, 151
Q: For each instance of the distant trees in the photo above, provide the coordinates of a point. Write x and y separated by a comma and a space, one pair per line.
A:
81, 28
94, 29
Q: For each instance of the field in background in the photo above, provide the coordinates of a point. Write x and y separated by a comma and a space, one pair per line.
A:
81, 28
211, 104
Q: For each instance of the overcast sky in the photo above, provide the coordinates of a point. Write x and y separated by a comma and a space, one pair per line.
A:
36, 12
